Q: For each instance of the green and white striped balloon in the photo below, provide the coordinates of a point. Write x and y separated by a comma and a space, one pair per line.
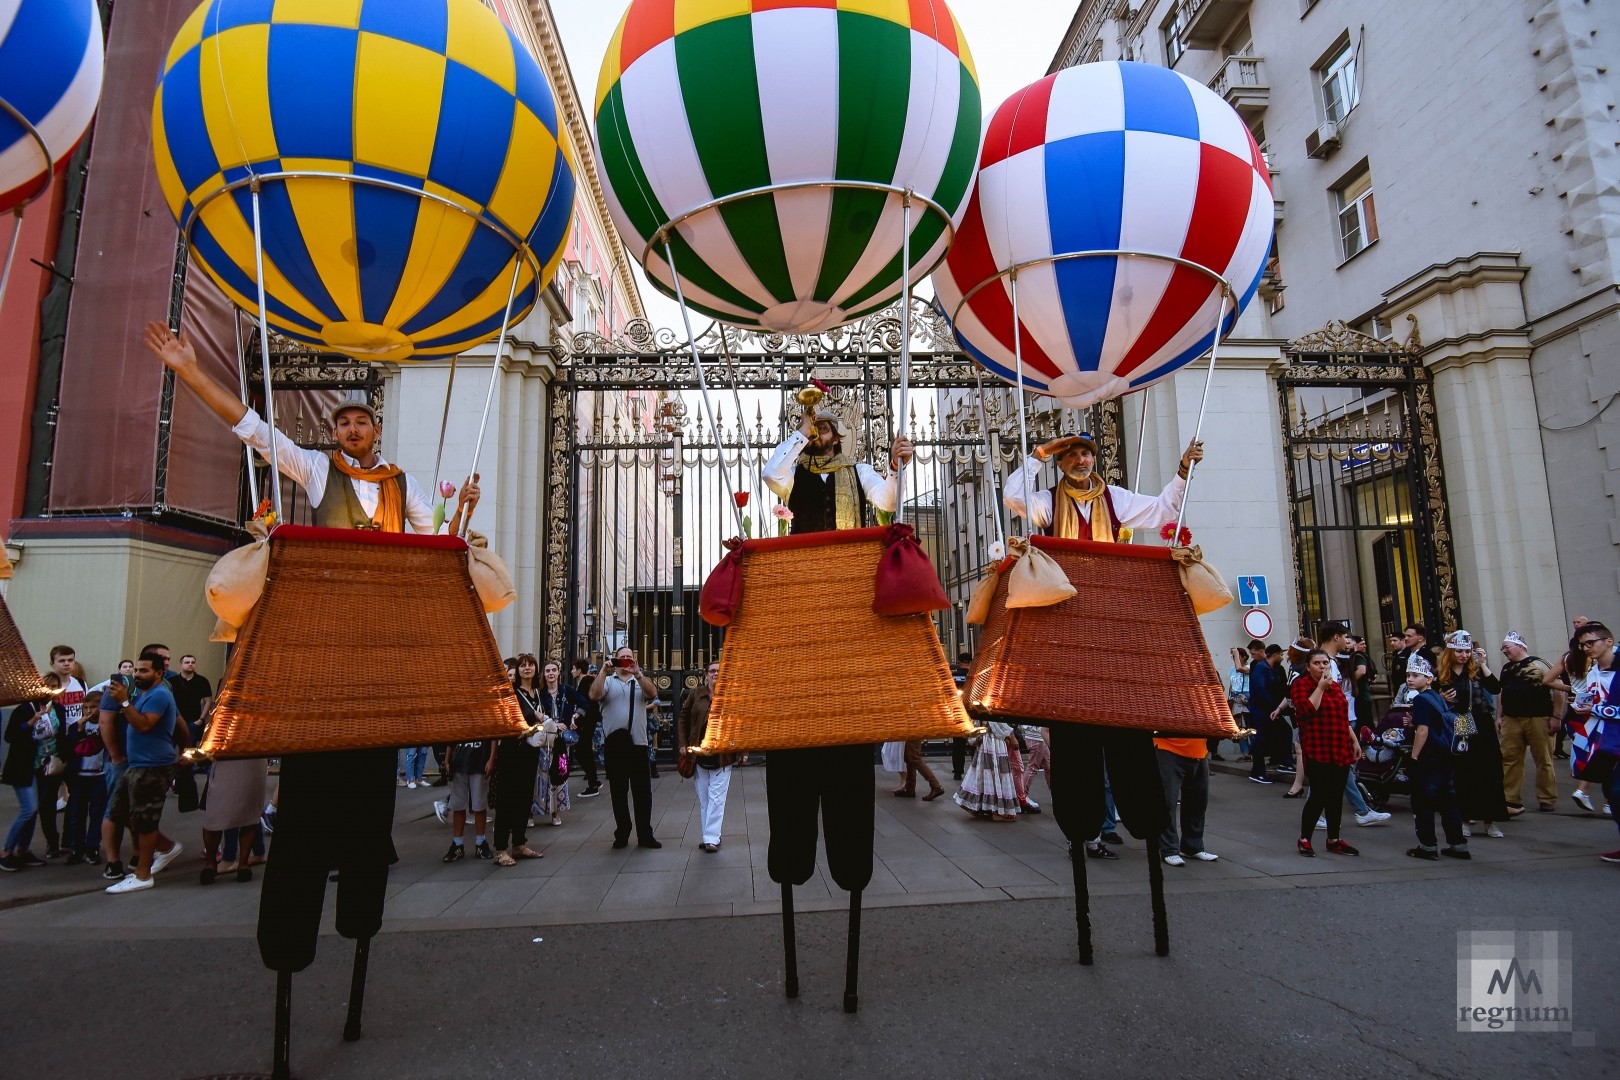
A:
700, 99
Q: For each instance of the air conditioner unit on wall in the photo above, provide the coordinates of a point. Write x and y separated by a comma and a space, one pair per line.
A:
1322, 142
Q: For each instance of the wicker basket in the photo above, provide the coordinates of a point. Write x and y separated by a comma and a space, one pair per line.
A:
19, 676
1125, 651
362, 639
807, 663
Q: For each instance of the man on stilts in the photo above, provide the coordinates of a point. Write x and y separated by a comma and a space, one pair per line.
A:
1084, 507
824, 489
352, 488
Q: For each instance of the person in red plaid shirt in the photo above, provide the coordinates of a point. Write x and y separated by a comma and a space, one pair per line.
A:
1322, 714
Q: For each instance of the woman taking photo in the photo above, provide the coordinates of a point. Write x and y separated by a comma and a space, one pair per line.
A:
551, 788
1328, 749
516, 763
1479, 770
31, 743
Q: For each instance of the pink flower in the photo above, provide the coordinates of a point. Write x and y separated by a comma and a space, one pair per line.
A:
782, 513
446, 489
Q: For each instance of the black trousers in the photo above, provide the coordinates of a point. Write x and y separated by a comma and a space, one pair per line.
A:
1081, 753
958, 757
1326, 797
583, 755
515, 767
837, 781
628, 778
1258, 745
1434, 792
335, 811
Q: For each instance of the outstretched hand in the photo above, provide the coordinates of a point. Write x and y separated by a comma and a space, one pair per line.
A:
175, 352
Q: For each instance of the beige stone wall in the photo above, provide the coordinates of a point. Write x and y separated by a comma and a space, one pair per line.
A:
109, 596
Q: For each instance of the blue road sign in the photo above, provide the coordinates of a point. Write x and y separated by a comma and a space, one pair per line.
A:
1252, 590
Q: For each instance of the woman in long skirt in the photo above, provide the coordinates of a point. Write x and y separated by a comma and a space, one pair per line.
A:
551, 783
234, 800
988, 789
1463, 666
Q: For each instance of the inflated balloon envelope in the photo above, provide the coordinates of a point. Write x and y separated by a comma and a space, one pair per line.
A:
319, 663
1125, 651
808, 662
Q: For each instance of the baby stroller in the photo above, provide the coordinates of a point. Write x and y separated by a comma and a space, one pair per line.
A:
1385, 767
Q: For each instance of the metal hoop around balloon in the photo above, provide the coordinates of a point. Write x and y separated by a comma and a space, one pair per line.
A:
1011, 274
660, 238
17, 211
254, 183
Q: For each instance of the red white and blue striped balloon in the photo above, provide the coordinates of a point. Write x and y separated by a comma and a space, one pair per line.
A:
1106, 157
50, 72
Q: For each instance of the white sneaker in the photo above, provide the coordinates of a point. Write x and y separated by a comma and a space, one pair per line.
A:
439, 810
1583, 799
131, 883
1321, 822
1494, 832
1372, 817
556, 819
164, 858
61, 804
1174, 860
411, 784
1204, 856
1467, 831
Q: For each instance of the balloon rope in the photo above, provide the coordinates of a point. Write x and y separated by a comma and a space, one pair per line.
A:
494, 381
242, 379
905, 355
990, 461
444, 426
11, 253
703, 384
1141, 439
1018, 369
756, 468
264, 353
1203, 403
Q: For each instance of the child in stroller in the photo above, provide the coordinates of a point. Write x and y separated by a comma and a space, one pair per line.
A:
1385, 767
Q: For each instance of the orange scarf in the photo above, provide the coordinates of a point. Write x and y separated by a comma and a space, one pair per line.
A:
390, 515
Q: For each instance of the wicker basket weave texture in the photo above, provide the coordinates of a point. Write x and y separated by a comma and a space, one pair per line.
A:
356, 646
19, 675
1125, 651
807, 663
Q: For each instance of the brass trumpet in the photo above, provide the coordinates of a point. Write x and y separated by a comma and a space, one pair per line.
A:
810, 397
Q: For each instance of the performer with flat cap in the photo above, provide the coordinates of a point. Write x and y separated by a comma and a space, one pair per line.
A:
1083, 507
335, 808
825, 490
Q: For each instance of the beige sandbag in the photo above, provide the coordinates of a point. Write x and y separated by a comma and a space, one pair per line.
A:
978, 609
237, 580
489, 574
1205, 587
1036, 580
6, 569
223, 631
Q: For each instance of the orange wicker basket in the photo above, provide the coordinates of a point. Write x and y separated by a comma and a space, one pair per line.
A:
808, 663
1125, 651
19, 676
362, 639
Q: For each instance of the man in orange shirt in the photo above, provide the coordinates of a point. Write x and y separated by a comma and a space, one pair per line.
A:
1184, 769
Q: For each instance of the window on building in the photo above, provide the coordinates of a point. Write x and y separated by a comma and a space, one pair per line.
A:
1338, 79
1241, 42
1358, 218
1174, 42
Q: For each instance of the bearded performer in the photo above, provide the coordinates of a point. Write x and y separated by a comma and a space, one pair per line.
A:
335, 809
825, 490
1083, 507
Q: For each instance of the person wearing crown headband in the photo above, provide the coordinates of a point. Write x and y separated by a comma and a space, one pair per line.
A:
1461, 680
1434, 755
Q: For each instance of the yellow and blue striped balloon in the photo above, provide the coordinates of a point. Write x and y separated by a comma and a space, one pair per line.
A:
430, 96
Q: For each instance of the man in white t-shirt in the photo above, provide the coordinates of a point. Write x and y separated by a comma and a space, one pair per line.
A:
72, 701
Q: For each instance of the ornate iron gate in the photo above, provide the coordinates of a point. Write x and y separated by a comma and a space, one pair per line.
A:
1367, 503
638, 502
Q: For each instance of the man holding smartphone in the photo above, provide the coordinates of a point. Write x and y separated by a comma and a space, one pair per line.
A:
624, 692
137, 802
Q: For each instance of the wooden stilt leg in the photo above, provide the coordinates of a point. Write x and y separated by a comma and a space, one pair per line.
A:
279, 1068
357, 989
790, 951
1161, 926
852, 965
1082, 904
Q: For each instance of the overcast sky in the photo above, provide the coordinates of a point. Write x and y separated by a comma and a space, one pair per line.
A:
1012, 42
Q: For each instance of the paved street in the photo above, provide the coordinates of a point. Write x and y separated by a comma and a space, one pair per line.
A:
1279, 965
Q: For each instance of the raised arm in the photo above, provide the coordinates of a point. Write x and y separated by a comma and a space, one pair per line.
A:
179, 357
1036, 506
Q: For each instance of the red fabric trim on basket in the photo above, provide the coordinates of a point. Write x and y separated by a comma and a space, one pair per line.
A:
321, 535
1129, 551
817, 539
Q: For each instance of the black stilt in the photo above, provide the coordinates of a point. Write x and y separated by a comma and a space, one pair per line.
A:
279, 1068
852, 965
1082, 904
1161, 925
790, 951
357, 989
